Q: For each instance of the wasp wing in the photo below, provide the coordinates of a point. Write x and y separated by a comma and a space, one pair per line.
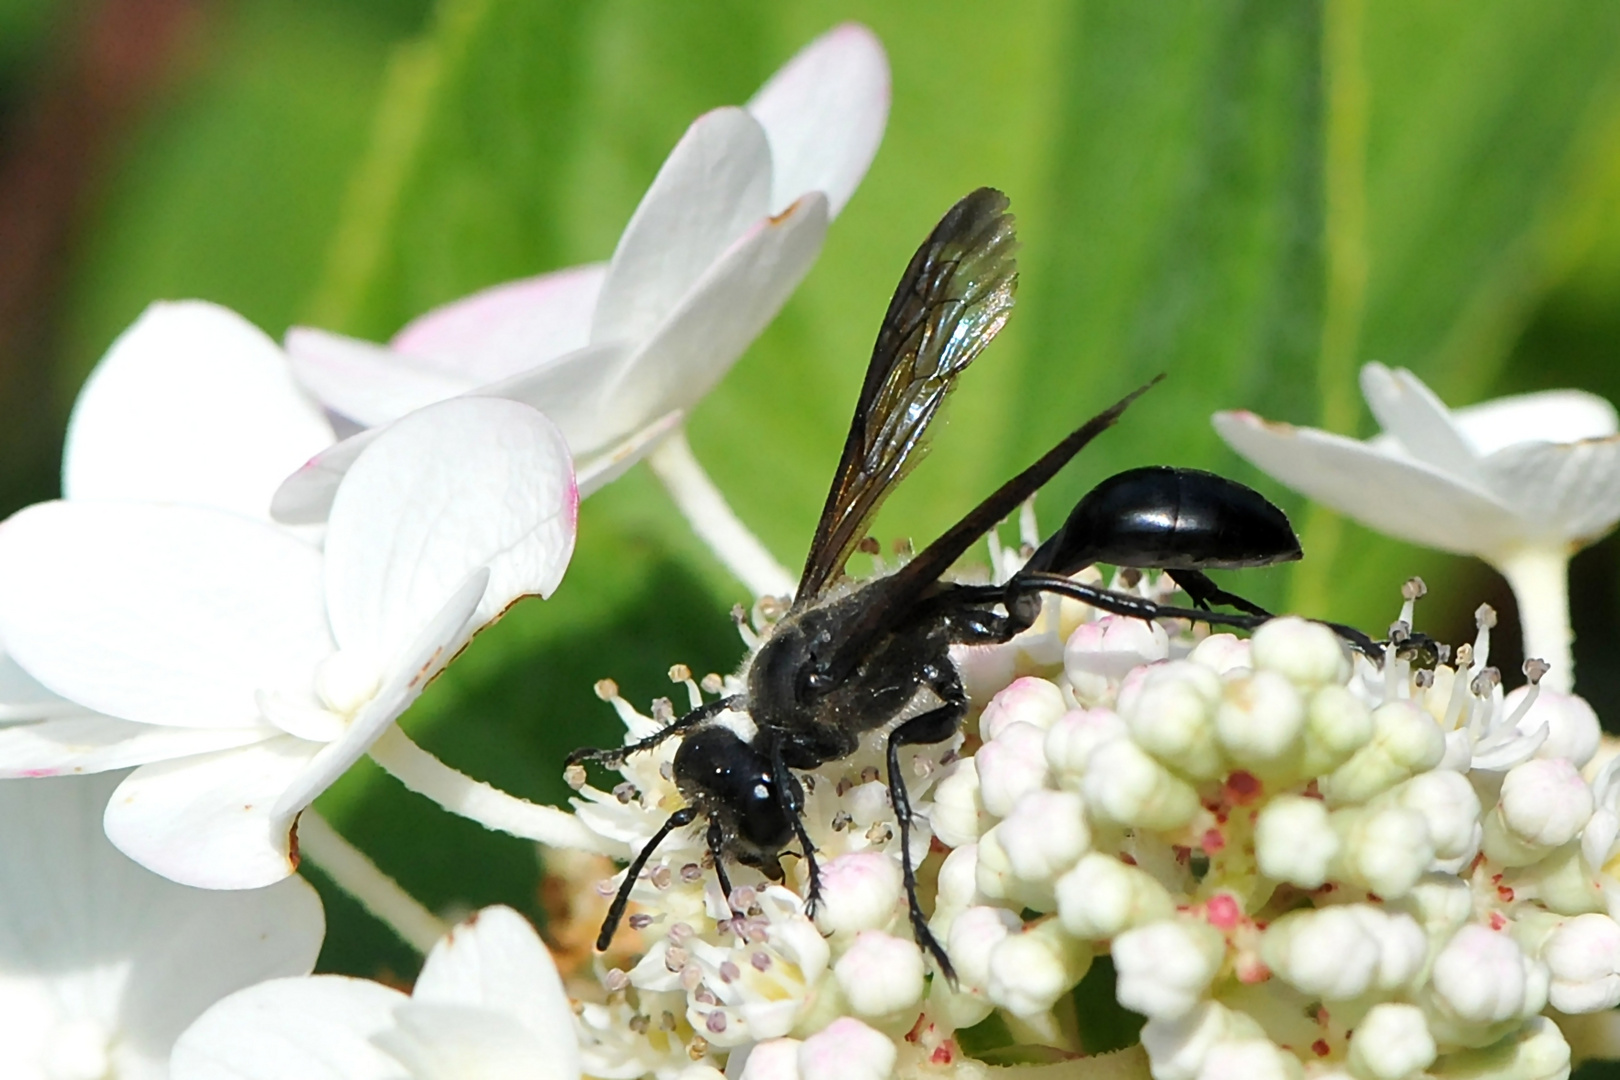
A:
953, 298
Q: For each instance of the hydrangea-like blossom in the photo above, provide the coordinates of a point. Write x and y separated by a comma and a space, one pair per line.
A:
1522, 482
1302, 864
617, 353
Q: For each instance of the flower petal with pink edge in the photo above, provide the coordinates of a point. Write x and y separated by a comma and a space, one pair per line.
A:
1413, 416
464, 484
824, 113
208, 820
367, 383
1546, 416
436, 644
1404, 498
568, 387
192, 404
317, 1028
715, 184
164, 614
91, 743
509, 328
712, 327
494, 959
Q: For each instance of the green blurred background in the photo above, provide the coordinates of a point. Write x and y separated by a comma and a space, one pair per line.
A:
1255, 197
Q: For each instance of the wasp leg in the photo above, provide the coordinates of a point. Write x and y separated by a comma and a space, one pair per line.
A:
615, 756
790, 797
933, 726
680, 818
1141, 608
717, 845
1204, 592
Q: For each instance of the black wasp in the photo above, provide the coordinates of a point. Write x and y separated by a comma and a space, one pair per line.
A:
849, 658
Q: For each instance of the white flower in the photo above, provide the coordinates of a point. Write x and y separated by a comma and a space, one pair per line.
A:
102, 963
617, 354
243, 669
488, 1003
1521, 482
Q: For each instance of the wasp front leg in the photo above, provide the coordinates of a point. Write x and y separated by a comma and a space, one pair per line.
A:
934, 726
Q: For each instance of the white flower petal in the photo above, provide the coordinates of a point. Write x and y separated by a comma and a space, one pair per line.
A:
305, 497
435, 645
571, 391
1413, 416
370, 384
464, 484
495, 960
1403, 498
509, 328
317, 1028
824, 114
736, 299
164, 614
23, 697
208, 820
714, 185
192, 404
91, 743
451, 1042
594, 473
130, 950
1564, 491
1547, 416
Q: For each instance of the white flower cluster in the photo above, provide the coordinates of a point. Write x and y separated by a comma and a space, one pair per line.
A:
1301, 865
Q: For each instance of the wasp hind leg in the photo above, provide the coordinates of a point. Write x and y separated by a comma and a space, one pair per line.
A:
933, 726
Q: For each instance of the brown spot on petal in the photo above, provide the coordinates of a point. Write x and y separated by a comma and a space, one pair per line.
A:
293, 858
422, 672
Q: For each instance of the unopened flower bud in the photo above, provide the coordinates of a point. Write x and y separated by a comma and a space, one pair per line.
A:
1583, 956
1260, 721
1294, 841
1045, 834
1544, 804
1385, 849
1030, 971
974, 933
958, 816
1126, 786
1027, 700
1483, 977
1165, 967
1179, 1046
1337, 724
773, 1059
1405, 741
1535, 1050
1099, 654
1222, 653
860, 890
1250, 1059
1573, 731
1345, 951
1010, 765
1392, 1042
1450, 809
1072, 739
1101, 897
1307, 653
1172, 718
880, 975
846, 1049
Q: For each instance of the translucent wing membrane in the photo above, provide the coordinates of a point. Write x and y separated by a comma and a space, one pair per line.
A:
954, 297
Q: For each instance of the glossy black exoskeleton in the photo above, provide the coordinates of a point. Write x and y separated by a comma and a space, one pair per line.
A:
849, 658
